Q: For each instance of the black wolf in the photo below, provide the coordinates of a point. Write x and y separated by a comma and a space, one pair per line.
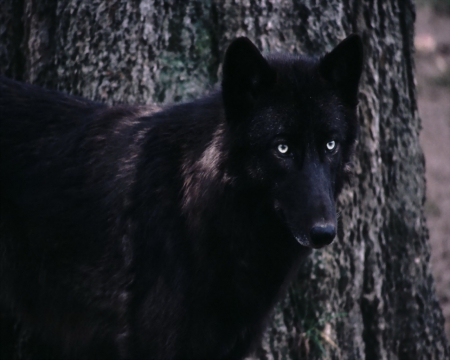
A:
133, 232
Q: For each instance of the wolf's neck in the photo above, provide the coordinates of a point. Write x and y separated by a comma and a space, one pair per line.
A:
248, 261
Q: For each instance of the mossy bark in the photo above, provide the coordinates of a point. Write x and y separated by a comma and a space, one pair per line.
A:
370, 295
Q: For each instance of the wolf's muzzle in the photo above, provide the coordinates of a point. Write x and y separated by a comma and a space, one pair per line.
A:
322, 235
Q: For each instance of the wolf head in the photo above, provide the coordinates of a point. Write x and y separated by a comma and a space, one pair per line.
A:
293, 124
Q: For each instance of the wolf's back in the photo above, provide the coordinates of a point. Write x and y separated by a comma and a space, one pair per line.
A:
54, 243
42, 112
41, 132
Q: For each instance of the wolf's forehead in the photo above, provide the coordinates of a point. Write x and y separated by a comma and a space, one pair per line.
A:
299, 127
296, 124
295, 70
300, 104
301, 111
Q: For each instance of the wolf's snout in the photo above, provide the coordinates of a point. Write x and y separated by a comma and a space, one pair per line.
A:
322, 235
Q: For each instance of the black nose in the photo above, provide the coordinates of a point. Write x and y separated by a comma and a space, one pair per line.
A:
322, 235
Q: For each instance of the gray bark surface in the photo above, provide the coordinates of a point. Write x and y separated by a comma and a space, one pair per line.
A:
370, 295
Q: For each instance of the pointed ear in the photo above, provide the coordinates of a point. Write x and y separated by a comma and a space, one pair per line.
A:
342, 68
245, 74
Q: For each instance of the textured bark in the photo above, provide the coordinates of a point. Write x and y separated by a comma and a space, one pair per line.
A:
370, 295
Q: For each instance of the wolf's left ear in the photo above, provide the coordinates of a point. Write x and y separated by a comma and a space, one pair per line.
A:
342, 68
245, 74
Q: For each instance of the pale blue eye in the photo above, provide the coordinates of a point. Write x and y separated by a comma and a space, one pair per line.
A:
331, 145
283, 148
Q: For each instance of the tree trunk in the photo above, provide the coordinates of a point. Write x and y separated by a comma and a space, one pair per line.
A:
371, 294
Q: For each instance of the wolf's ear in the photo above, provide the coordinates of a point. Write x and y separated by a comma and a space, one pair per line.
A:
245, 74
342, 68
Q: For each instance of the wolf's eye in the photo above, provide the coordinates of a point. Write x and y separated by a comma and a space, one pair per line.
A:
283, 148
331, 145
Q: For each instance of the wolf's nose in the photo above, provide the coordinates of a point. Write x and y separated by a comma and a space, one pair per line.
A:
322, 235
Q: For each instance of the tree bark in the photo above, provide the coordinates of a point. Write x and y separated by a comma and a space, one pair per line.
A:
371, 294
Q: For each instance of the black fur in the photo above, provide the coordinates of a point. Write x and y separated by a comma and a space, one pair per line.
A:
135, 232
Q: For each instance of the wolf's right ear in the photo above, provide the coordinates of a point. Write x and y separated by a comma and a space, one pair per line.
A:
245, 74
